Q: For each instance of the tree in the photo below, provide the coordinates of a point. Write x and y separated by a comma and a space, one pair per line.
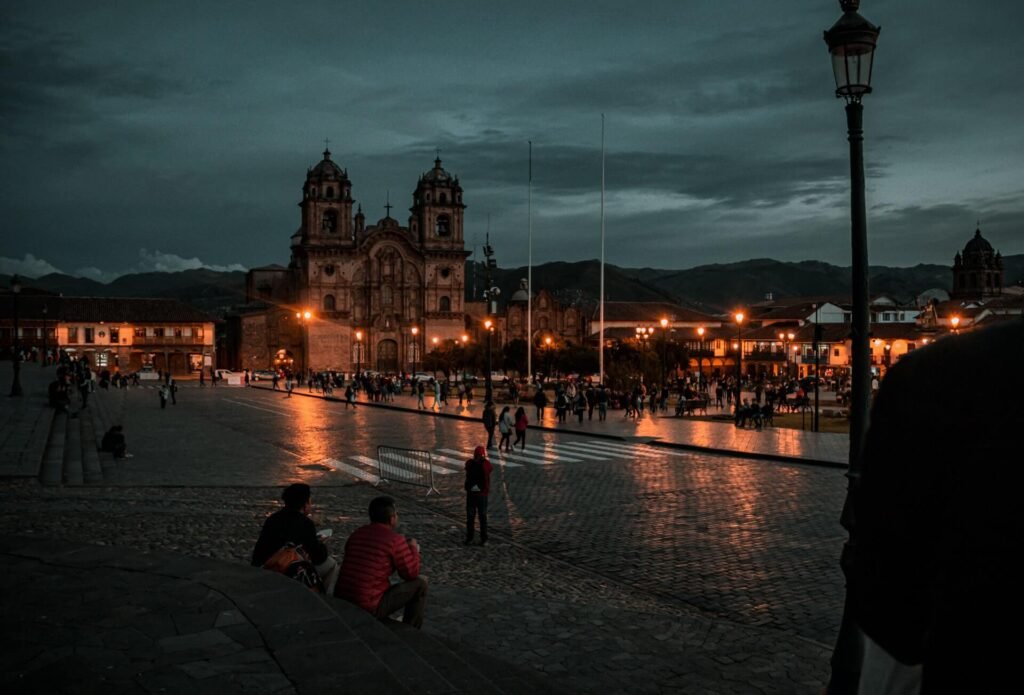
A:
514, 356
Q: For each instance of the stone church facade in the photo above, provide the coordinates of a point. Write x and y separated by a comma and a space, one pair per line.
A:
357, 294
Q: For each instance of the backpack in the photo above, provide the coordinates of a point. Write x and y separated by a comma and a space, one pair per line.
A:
293, 561
475, 476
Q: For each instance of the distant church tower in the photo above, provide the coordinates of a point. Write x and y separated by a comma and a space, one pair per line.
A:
977, 270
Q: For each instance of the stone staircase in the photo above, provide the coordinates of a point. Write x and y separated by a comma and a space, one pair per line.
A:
71, 455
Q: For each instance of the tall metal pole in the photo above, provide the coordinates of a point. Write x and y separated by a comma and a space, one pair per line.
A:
42, 357
739, 367
16, 380
489, 389
529, 267
600, 346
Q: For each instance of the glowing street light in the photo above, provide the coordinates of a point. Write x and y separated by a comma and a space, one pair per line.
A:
739, 361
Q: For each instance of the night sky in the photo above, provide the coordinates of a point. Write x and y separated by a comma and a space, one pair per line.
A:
168, 135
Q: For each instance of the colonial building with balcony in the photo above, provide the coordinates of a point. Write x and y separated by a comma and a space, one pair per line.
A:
111, 333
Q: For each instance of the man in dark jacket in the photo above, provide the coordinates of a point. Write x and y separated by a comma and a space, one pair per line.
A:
937, 514
293, 525
478, 487
490, 420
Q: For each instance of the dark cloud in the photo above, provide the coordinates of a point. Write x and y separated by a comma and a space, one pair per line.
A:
189, 126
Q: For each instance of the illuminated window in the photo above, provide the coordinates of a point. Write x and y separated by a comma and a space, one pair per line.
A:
444, 304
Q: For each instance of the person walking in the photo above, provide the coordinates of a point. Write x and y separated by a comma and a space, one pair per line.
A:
164, 392
540, 401
420, 390
202, 378
579, 405
478, 487
289, 384
350, 396
506, 423
602, 403
521, 423
490, 420
172, 386
437, 395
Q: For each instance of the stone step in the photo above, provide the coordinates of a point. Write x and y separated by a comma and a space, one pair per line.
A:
413, 672
52, 470
92, 468
74, 473
500, 675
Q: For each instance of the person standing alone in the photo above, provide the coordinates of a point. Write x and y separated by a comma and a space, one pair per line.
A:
478, 487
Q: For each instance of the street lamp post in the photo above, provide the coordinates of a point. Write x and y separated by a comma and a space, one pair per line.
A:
359, 354
739, 362
304, 317
462, 365
488, 386
664, 352
415, 330
547, 355
42, 357
851, 43
16, 357
700, 359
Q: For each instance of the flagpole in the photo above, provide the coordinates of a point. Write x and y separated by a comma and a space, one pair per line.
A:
600, 346
529, 268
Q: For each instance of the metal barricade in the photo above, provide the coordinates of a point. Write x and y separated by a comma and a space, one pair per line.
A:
406, 466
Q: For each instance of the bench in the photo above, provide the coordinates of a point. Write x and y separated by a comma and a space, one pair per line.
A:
690, 406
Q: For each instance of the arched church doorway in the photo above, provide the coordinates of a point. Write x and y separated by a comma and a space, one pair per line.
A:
284, 359
387, 356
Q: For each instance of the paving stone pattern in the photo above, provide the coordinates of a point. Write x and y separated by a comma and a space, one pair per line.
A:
674, 571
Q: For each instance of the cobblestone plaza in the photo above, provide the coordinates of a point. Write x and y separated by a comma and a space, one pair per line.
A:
613, 564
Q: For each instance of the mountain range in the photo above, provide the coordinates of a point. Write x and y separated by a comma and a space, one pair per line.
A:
709, 288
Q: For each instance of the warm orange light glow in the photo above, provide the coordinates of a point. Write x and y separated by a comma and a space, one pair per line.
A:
465, 338
739, 317
298, 314
359, 335
547, 340
664, 323
782, 336
435, 339
307, 314
488, 323
955, 321
877, 342
415, 330
791, 336
735, 346
700, 331
925, 341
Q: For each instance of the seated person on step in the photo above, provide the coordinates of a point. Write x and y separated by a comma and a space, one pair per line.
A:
293, 525
372, 554
114, 442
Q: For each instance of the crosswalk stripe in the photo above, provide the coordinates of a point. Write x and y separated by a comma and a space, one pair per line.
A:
561, 450
609, 448
387, 468
351, 470
544, 455
466, 456
637, 449
439, 460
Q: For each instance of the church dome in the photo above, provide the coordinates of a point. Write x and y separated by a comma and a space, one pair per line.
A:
520, 295
437, 174
978, 244
326, 170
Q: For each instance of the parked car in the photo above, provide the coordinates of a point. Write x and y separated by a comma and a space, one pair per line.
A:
422, 376
260, 374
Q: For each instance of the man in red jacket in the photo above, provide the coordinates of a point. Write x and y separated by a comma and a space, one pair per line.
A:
478, 486
372, 554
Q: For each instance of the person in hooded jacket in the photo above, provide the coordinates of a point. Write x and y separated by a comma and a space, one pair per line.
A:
478, 487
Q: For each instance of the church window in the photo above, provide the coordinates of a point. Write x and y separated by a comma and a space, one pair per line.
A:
543, 323
330, 222
444, 304
428, 197
443, 228
329, 303
386, 295
445, 272
330, 191
443, 198
328, 270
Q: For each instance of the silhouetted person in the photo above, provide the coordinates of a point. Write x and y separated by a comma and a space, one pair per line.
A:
937, 513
